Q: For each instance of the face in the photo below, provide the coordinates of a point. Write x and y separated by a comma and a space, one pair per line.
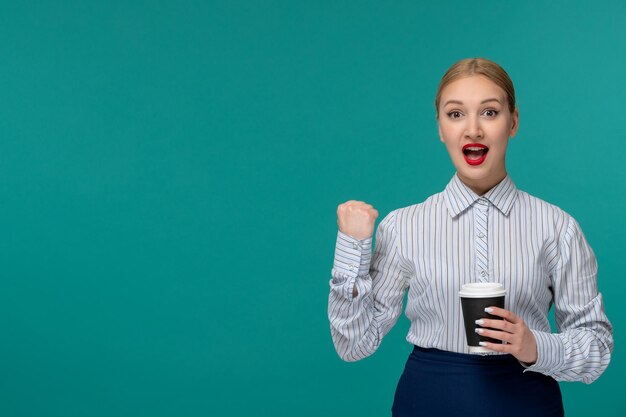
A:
475, 124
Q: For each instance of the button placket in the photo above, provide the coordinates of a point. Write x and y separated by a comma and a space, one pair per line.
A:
481, 211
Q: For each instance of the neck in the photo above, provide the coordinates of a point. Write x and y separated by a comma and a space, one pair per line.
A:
481, 186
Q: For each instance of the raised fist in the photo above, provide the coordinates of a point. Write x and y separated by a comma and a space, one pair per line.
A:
356, 219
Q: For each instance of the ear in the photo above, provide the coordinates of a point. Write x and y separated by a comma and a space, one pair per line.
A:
514, 123
440, 133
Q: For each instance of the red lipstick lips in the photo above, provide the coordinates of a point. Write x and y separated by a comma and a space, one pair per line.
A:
475, 153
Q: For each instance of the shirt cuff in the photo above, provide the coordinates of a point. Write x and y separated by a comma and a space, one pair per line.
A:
352, 256
550, 353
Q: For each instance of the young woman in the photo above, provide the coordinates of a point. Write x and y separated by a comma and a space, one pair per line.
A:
481, 228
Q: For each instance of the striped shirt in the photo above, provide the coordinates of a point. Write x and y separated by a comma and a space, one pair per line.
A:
536, 250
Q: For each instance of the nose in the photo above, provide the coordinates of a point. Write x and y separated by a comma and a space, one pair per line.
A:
473, 129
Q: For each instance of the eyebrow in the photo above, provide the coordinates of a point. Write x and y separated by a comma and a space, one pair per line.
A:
460, 102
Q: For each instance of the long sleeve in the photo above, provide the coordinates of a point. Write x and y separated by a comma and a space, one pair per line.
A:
581, 350
358, 324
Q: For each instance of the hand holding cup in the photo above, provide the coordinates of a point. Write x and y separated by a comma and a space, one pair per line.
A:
511, 329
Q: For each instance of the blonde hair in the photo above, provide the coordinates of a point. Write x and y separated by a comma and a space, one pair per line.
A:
478, 66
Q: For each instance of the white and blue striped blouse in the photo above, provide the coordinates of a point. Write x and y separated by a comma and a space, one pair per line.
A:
536, 250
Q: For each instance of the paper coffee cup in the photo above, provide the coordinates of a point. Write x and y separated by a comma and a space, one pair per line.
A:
475, 298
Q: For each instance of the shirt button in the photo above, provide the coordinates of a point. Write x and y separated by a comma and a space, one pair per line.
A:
483, 274
481, 235
352, 267
356, 245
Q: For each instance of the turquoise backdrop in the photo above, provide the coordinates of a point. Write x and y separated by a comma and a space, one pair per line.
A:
170, 171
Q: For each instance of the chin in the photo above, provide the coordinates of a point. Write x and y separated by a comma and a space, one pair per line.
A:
475, 174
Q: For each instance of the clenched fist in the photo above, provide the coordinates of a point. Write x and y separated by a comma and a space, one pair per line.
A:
356, 219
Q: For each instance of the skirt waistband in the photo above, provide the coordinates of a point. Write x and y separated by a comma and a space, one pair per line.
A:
445, 357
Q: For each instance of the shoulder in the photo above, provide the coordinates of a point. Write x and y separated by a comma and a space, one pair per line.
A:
409, 215
539, 210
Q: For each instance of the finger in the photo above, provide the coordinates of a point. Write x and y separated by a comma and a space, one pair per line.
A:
497, 347
505, 314
348, 204
495, 334
497, 324
359, 207
341, 208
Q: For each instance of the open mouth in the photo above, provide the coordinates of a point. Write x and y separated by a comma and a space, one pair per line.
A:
475, 153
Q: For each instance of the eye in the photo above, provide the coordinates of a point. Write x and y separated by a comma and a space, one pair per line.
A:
491, 113
454, 114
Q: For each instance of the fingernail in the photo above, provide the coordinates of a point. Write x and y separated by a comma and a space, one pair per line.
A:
482, 343
489, 310
479, 331
480, 322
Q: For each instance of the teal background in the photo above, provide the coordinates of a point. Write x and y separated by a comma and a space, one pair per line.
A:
170, 171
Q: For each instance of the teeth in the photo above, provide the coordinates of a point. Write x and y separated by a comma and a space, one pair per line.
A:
474, 148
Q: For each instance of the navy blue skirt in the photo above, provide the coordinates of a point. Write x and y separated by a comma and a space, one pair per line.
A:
439, 383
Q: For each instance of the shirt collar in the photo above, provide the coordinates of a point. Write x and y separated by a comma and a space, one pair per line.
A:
459, 197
